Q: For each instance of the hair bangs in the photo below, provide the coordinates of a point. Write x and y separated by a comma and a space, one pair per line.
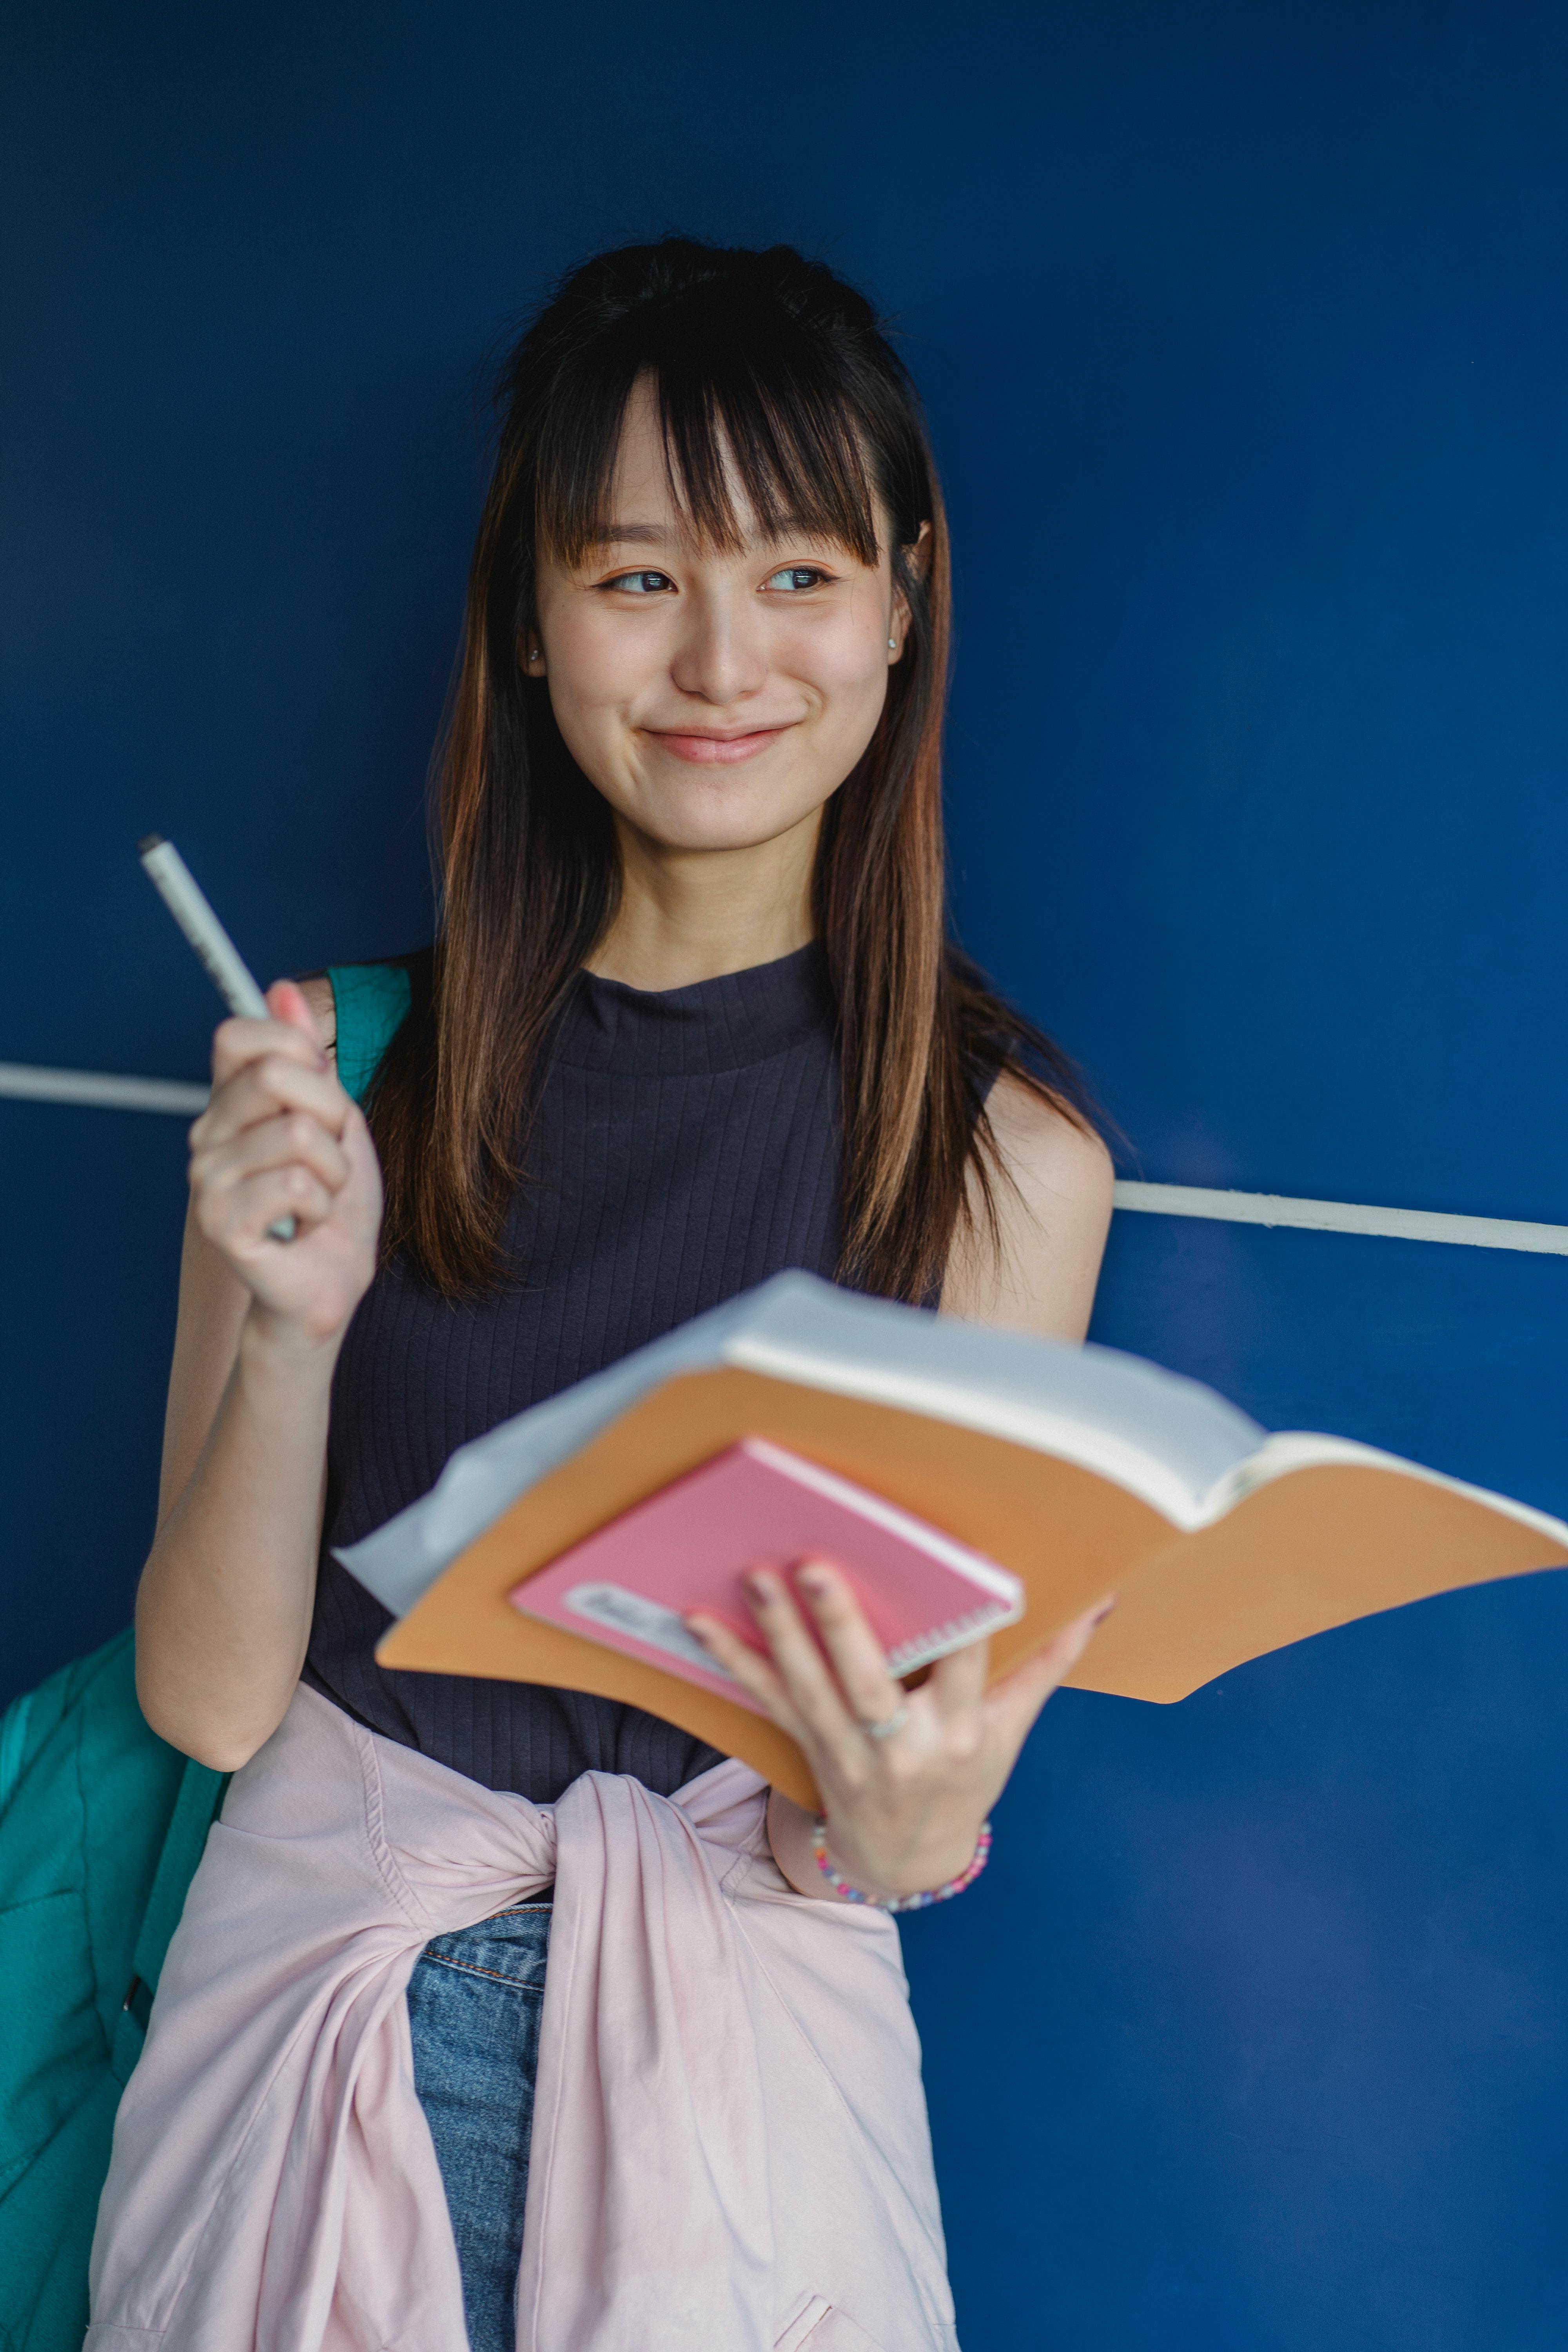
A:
790, 446
759, 437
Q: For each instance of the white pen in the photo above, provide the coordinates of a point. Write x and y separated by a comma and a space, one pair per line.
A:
226, 968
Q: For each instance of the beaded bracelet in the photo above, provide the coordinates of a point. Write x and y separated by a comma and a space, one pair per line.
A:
967, 1877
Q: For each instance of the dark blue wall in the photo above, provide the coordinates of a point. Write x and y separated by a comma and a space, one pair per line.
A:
1244, 338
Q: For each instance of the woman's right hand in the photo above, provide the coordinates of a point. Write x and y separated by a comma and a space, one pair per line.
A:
280, 1138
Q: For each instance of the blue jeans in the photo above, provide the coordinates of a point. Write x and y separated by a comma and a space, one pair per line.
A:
474, 2001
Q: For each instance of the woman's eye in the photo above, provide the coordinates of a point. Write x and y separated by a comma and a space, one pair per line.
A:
641, 583
796, 576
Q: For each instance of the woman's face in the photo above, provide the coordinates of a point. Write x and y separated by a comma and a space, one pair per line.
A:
716, 701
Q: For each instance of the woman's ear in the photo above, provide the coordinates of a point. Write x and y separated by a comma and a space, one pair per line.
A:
917, 565
530, 653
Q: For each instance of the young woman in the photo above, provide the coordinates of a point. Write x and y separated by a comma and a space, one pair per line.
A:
691, 1017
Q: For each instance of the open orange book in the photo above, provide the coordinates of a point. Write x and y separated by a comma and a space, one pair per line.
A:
1082, 1470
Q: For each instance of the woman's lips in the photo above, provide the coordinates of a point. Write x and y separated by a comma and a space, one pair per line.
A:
717, 751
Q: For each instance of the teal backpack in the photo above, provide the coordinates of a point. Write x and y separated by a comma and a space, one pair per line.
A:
101, 1827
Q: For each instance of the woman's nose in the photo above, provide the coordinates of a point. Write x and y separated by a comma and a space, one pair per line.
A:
721, 652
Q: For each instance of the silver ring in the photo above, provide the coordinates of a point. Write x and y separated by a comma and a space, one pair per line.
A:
889, 1725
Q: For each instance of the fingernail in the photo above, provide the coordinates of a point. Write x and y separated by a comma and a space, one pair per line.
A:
1101, 1615
759, 1584
811, 1580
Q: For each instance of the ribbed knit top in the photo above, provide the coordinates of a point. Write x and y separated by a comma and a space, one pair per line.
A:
686, 1146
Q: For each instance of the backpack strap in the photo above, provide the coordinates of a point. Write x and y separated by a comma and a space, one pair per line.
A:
372, 1002
13, 1725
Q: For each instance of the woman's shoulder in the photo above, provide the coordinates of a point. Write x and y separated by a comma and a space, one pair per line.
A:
1051, 1183
1047, 1146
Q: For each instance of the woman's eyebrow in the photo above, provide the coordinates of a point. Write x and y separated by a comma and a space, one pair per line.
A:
630, 534
655, 535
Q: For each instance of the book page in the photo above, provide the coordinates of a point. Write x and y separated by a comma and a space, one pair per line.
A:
1339, 1532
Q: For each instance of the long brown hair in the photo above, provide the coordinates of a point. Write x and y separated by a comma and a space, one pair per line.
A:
772, 371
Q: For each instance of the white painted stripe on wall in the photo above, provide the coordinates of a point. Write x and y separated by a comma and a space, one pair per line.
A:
24, 1082
27, 1083
1342, 1217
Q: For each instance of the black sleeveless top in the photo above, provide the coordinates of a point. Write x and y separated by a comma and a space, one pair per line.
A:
686, 1146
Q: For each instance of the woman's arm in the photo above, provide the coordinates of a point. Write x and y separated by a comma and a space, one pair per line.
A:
224, 1608
904, 1813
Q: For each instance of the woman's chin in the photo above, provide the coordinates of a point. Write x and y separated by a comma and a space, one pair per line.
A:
719, 815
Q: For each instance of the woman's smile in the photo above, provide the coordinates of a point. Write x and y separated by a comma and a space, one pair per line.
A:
715, 750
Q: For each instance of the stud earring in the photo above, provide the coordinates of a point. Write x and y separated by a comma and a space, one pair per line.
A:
892, 645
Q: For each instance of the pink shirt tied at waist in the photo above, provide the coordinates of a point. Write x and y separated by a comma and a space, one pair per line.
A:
730, 2148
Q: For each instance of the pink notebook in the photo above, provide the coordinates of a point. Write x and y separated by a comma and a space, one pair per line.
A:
758, 1505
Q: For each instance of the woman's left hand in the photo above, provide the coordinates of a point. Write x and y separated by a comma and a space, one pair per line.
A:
904, 1810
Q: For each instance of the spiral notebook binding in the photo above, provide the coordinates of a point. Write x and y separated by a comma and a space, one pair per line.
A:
926, 1647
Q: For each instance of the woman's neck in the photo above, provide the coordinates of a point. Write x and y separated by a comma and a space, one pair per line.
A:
690, 915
